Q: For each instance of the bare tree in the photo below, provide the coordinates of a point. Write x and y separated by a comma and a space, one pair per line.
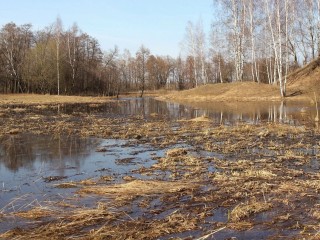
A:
58, 32
73, 45
15, 42
195, 46
142, 56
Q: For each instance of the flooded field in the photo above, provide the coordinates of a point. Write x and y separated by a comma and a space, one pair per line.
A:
146, 169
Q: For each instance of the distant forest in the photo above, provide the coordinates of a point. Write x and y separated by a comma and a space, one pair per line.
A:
260, 41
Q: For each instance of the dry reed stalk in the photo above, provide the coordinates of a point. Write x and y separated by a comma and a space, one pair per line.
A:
211, 234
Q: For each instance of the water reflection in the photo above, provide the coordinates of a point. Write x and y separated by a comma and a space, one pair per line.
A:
294, 113
219, 112
27, 151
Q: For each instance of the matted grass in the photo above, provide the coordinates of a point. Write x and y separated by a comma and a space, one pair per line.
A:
262, 175
139, 188
27, 99
244, 210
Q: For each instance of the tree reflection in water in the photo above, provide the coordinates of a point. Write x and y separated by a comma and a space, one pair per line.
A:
23, 151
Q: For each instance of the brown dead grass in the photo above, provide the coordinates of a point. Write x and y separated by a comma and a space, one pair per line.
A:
301, 85
36, 213
175, 152
139, 188
69, 223
27, 99
244, 210
275, 182
240, 91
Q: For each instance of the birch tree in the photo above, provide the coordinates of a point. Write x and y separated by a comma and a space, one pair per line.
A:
142, 57
15, 42
238, 17
58, 32
73, 46
253, 24
195, 46
235, 22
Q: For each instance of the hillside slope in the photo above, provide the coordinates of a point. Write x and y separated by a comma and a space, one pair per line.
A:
306, 79
301, 86
240, 91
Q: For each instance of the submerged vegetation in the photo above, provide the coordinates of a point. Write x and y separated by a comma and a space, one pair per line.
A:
213, 181
202, 179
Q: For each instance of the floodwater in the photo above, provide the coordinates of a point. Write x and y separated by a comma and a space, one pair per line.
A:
294, 113
30, 166
223, 113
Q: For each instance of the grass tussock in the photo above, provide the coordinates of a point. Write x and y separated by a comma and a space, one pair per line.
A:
245, 210
139, 188
176, 152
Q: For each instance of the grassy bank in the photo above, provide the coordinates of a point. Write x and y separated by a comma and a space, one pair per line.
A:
242, 92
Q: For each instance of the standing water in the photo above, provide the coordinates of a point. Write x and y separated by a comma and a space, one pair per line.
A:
32, 165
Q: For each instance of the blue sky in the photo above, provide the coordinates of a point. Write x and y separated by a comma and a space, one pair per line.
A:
158, 24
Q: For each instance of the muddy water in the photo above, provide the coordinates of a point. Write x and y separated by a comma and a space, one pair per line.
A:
31, 166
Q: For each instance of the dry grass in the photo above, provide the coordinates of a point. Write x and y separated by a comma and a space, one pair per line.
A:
201, 119
36, 213
139, 188
176, 152
241, 91
301, 85
254, 169
27, 99
71, 224
244, 210
316, 213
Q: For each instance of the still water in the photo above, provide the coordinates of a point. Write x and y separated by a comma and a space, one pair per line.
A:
28, 161
219, 112
295, 113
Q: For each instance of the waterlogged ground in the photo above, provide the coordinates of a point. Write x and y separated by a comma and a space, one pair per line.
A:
144, 169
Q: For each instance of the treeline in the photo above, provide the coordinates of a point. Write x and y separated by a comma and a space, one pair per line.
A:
252, 40
264, 40
55, 61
